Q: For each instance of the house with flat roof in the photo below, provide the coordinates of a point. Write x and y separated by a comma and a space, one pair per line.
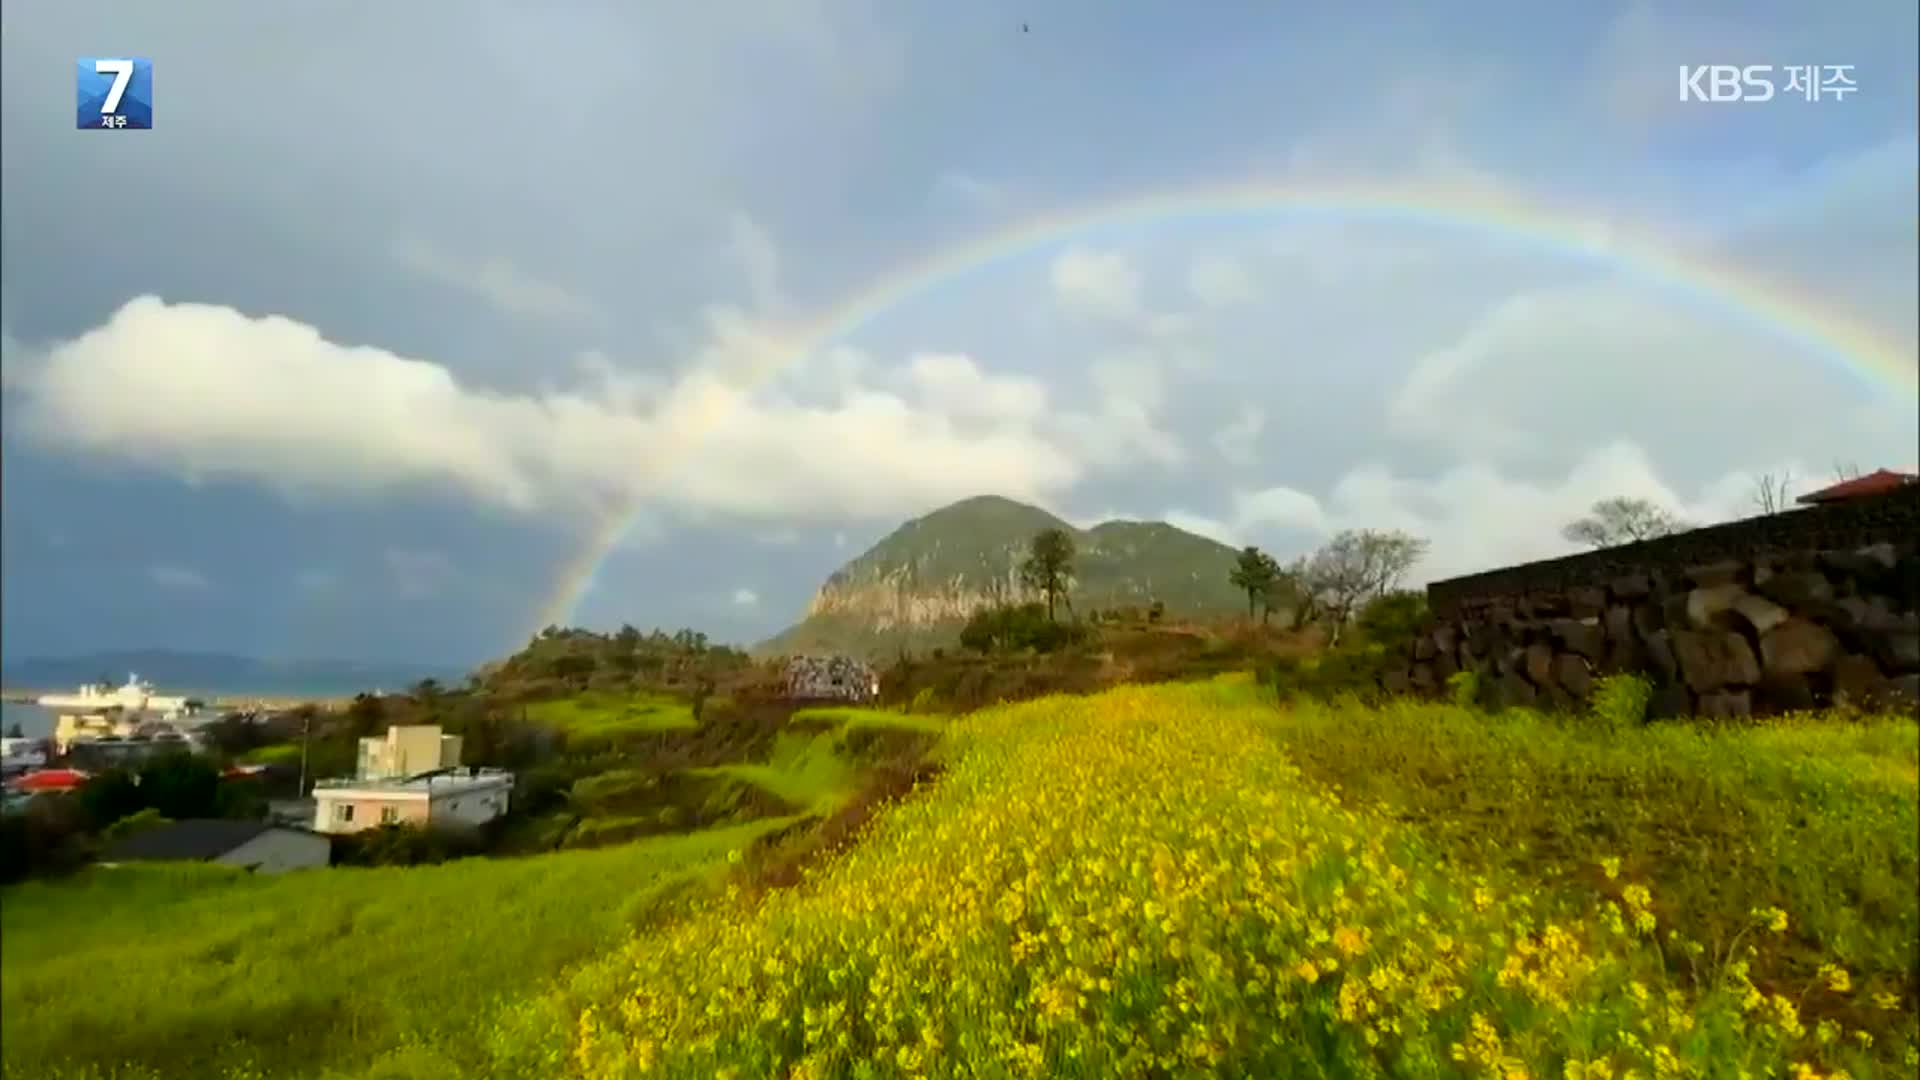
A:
466, 796
407, 750
259, 846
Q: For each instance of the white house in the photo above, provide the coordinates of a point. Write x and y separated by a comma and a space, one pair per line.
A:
464, 796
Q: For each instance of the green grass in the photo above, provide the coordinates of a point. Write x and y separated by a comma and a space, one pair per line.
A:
805, 770
820, 771
1149, 883
273, 754
162, 971
858, 719
610, 717
1820, 817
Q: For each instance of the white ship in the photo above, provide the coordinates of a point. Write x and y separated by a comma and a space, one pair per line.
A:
97, 712
136, 698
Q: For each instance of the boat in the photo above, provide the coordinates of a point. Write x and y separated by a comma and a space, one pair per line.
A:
97, 712
135, 697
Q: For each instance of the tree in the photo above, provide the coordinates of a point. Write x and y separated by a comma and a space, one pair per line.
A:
1283, 590
1253, 573
14, 731
1393, 617
1623, 519
1770, 492
1355, 566
181, 786
1049, 565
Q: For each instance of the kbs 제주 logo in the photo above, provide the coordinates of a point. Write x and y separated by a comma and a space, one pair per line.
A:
115, 92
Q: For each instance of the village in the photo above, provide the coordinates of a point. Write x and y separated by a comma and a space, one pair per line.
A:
409, 776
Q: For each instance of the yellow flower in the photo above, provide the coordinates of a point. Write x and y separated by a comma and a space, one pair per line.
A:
1611, 866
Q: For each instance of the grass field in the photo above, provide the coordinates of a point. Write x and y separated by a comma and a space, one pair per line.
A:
591, 717
819, 769
205, 973
1166, 881
1145, 883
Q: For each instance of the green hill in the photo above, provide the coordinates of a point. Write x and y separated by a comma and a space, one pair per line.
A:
916, 587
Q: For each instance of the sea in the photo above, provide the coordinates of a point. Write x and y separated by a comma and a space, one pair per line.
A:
35, 722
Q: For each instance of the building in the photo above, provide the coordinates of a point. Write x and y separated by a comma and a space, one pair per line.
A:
1877, 482
831, 678
407, 750
444, 798
258, 846
18, 755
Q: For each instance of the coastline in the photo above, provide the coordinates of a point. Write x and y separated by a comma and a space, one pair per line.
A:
225, 699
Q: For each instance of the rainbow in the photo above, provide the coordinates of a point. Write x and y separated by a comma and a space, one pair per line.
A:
1834, 338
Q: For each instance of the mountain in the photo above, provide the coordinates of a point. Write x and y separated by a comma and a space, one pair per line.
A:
205, 673
917, 587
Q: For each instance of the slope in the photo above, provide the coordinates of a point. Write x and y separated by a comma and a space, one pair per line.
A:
916, 587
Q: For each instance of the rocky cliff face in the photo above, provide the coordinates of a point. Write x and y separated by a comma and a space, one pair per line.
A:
922, 582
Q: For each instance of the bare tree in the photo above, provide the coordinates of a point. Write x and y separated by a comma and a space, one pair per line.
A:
1770, 492
1844, 471
1356, 566
1620, 520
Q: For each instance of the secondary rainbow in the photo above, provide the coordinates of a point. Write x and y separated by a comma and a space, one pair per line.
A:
1827, 335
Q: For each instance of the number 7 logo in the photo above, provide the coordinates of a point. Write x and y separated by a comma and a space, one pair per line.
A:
122, 72
115, 93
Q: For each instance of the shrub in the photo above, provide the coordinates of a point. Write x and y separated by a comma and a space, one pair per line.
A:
1393, 618
1023, 626
1620, 701
1463, 688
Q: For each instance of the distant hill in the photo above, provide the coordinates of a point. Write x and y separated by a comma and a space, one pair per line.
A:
192, 672
917, 587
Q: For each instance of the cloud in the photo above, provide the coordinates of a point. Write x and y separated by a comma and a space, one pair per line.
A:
496, 281
745, 597
168, 576
971, 192
418, 572
207, 391
1104, 284
1236, 441
1219, 281
1547, 372
1475, 517
759, 261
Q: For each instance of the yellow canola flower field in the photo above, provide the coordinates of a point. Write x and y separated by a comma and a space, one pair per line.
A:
1141, 884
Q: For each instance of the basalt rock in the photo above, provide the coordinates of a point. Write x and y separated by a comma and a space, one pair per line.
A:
1712, 659
1779, 613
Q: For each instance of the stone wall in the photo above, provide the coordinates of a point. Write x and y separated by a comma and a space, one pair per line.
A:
830, 678
1817, 608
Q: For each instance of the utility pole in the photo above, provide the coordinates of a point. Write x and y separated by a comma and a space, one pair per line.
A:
306, 729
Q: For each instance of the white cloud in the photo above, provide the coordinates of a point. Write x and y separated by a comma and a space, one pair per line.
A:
970, 191
168, 576
746, 598
1475, 517
207, 391
759, 261
1220, 281
496, 281
1100, 283
954, 384
418, 572
1576, 366
1236, 441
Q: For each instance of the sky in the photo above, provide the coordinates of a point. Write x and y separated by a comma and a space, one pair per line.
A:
402, 317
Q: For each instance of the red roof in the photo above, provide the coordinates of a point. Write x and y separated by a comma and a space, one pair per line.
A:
1877, 482
50, 780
